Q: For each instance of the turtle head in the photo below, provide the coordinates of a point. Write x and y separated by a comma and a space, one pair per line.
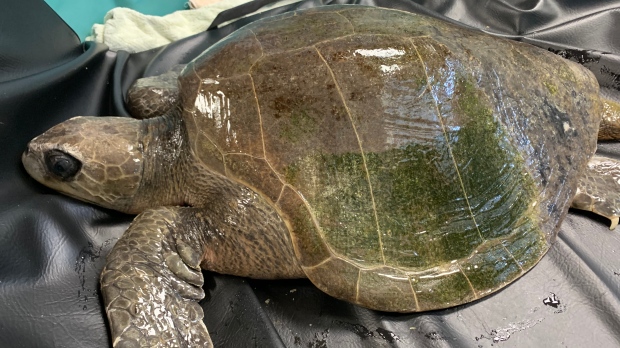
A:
94, 159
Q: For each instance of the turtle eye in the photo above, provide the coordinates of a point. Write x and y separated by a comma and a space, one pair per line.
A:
62, 165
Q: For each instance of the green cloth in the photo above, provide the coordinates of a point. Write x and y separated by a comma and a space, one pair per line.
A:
80, 15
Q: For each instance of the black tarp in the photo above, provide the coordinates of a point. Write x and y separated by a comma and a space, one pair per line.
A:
52, 248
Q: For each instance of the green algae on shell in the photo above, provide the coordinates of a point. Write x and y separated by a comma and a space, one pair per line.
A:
403, 142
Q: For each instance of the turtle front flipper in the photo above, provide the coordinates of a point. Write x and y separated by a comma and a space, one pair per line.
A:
151, 283
598, 190
154, 96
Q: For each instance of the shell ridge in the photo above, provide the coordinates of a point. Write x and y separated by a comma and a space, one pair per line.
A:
443, 129
372, 195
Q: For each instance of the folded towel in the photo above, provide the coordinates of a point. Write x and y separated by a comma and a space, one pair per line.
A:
132, 31
201, 3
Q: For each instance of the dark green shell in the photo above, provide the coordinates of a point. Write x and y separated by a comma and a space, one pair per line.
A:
418, 165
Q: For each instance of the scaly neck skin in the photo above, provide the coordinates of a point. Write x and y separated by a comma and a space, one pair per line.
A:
165, 147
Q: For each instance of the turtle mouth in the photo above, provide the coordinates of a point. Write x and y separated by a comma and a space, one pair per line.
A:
82, 199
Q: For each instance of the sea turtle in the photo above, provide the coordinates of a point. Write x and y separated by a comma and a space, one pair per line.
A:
397, 161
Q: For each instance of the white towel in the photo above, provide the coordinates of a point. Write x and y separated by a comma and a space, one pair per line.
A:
132, 31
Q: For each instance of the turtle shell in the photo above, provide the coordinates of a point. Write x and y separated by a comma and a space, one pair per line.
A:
418, 165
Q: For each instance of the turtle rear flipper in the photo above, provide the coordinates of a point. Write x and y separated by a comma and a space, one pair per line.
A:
154, 96
610, 122
598, 190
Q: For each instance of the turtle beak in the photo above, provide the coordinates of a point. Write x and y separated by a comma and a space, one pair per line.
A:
33, 163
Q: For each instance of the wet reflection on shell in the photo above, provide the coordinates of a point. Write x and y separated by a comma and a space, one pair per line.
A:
394, 141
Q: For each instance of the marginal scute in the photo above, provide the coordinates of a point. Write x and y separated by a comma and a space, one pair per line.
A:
292, 32
231, 56
442, 288
337, 277
490, 268
380, 22
386, 289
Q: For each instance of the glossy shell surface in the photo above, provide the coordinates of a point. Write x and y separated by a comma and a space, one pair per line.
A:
418, 165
